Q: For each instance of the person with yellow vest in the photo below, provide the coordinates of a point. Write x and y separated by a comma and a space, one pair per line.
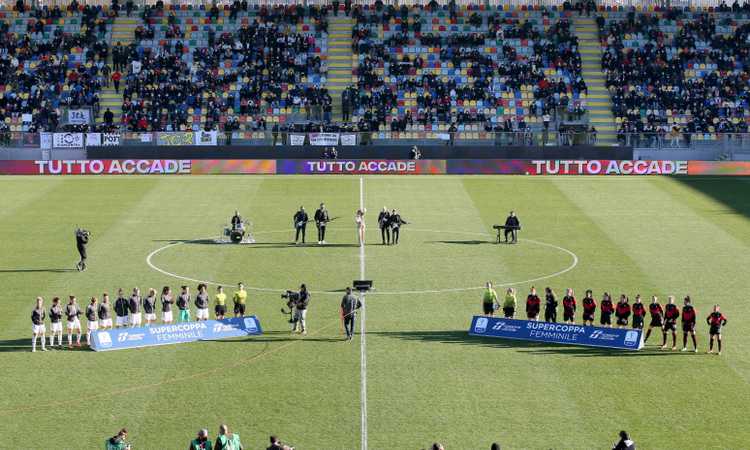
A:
509, 304
239, 298
220, 303
489, 300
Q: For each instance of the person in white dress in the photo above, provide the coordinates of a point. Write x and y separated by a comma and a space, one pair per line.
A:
359, 219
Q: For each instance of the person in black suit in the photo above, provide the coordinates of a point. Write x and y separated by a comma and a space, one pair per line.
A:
384, 223
300, 223
512, 225
236, 220
321, 219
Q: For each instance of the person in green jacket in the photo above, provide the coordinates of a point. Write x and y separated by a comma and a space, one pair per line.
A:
489, 300
509, 304
117, 442
227, 440
201, 442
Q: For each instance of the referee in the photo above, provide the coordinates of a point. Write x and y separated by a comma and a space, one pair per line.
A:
349, 306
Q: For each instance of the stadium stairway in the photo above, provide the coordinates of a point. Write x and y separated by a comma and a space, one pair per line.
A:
339, 60
598, 100
123, 31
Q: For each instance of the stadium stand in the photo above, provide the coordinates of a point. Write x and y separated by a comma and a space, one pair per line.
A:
465, 70
51, 58
676, 73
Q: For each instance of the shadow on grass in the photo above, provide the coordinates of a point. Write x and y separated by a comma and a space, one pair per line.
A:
733, 192
462, 337
281, 336
30, 270
24, 345
467, 242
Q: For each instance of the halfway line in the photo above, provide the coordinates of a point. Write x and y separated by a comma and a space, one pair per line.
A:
362, 332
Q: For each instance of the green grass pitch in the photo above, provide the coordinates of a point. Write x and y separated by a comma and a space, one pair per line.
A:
427, 380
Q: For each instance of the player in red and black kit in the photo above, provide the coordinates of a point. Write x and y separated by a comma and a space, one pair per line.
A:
622, 311
569, 306
639, 312
715, 320
589, 308
533, 305
671, 314
657, 316
607, 308
689, 316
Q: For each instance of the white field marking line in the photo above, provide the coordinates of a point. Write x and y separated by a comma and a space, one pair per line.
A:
414, 292
362, 333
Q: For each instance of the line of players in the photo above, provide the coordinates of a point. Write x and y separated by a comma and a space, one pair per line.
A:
664, 318
390, 223
128, 312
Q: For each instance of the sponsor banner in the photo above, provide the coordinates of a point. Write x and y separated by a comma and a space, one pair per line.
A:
348, 139
351, 167
233, 166
296, 139
206, 138
79, 116
45, 140
96, 167
67, 140
489, 166
181, 138
178, 333
93, 139
557, 333
609, 167
110, 139
727, 168
324, 139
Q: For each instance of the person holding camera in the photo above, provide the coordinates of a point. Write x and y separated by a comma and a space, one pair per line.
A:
117, 442
201, 442
349, 306
300, 310
276, 444
300, 224
82, 238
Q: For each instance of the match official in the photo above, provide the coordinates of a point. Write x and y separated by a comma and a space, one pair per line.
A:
239, 298
489, 300
509, 304
349, 306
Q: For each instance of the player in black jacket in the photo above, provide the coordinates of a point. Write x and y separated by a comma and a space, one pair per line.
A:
383, 222
550, 305
300, 223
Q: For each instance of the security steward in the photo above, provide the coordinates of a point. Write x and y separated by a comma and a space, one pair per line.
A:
321, 220
512, 225
300, 220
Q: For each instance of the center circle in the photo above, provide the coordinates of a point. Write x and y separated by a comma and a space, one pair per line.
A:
440, 262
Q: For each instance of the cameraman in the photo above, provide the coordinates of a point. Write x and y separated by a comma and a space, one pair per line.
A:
82, 238
277, 445
300, 310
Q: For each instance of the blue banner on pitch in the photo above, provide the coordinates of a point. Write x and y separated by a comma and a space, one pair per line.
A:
175, 333
558, 333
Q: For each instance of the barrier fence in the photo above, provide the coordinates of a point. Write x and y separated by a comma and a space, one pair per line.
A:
469, 136
372, 167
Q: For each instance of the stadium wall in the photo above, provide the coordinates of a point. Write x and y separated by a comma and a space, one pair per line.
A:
372, 167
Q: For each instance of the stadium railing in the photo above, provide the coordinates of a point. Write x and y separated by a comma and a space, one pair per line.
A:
727, 143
